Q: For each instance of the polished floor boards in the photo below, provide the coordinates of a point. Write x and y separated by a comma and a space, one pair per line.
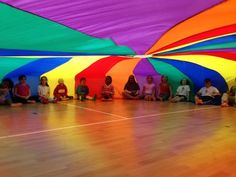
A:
122, 138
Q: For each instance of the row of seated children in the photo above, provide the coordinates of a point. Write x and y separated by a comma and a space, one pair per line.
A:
6, 93
132, 90
22, 93
211, 95
206, 95
59, 93
107, 91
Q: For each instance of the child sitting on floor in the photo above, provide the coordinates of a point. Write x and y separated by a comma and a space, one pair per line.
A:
164, 90
131, 89
44, 91
182, 93
107, 89
60, 92
22, 92
229, 99
149, 89
208, 95
82, 91
5, 94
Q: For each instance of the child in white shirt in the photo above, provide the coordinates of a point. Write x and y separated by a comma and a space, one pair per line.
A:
182, 93
208, 94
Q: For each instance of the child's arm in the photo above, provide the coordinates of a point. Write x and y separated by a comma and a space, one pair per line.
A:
126, 90
66, 91
158, 90
78, 90
215, 92
178, 90
231, 91
48, 92
144, 88
137, 92
87, 90
199, 93
3, 92
154, 91
170, 92
102, 90
39, 92
16, 94
55, 92
27, 97
188, 93
112, 90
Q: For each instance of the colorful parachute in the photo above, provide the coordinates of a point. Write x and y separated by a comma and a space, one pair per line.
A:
70, 39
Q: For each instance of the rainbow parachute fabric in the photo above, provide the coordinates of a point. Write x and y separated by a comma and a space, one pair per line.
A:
84, 38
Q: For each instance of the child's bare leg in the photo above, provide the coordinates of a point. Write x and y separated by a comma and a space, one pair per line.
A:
31, 101
174, 100
153, 98
179, 98
127, 95
146, 97
15, 104
198, 101
225, 98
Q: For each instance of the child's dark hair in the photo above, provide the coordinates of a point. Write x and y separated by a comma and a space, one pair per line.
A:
82, 79
164, 76
44, 77
187, 81
131, 76
9, 81
109, 78
21, 77
207, 80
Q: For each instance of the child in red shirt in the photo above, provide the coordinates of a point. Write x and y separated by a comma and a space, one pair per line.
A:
60, 92
164, 90
22, 91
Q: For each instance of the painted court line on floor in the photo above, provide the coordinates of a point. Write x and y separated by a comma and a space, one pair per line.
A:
97, 123
94, 110
175, 112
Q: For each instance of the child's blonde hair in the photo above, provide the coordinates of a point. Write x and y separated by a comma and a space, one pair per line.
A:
60, 81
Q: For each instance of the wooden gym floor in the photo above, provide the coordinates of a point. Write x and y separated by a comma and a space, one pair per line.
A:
123, 138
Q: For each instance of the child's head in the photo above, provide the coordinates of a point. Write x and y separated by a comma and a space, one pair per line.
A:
60, 81
82, 80
108, 80
164, 79
8, 83
44, 81
131, 79
149, 79
207, 82
184, 82
22, 79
